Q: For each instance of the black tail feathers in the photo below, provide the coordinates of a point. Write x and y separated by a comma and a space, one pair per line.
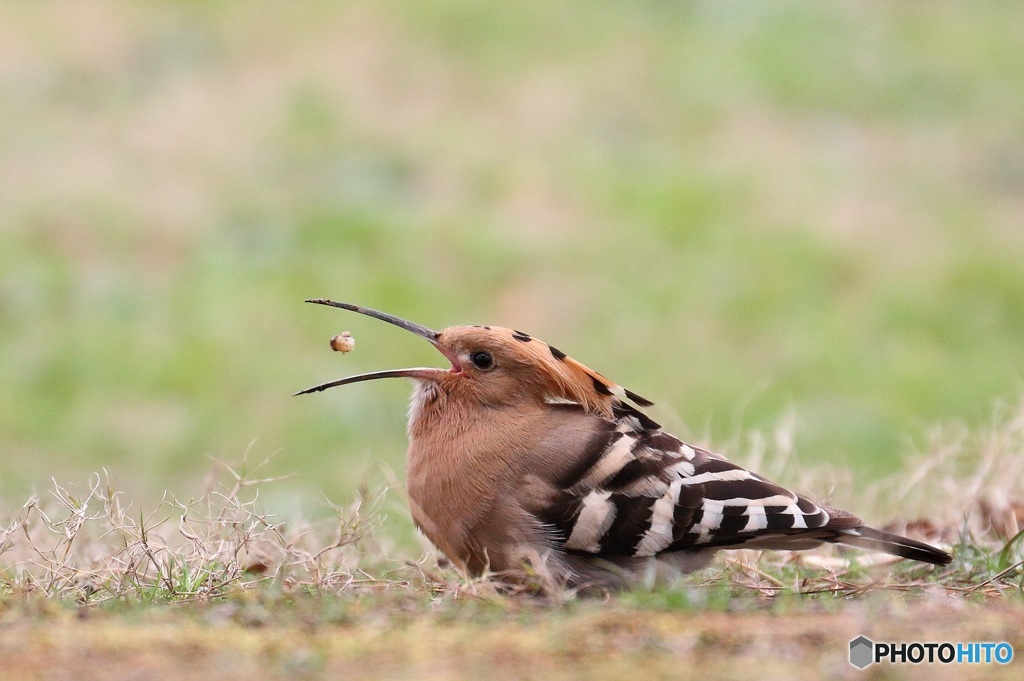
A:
877, 540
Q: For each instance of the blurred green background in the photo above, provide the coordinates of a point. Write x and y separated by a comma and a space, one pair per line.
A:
736, 209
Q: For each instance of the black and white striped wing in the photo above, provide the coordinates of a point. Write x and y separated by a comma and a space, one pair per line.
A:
645, 492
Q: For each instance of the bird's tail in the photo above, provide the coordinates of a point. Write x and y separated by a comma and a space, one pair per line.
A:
877, 540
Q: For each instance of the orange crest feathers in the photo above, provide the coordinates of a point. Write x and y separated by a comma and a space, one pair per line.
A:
573, 381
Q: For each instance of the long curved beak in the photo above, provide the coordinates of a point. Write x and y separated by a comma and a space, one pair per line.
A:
417, 329
420, 373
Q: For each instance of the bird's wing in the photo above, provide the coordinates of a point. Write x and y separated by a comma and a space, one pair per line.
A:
641, 492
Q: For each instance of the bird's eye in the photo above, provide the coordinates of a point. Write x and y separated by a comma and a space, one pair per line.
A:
481, 359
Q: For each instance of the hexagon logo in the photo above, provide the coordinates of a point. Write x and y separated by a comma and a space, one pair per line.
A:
862, 652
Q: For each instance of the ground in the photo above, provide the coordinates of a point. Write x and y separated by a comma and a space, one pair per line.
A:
398, 637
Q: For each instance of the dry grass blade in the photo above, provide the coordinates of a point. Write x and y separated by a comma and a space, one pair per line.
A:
92, 546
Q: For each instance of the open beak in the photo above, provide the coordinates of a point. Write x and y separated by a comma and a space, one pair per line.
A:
420, 373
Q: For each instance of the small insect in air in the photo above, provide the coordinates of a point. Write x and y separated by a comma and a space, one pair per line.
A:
343, 342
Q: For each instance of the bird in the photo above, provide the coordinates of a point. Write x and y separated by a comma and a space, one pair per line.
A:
523, 464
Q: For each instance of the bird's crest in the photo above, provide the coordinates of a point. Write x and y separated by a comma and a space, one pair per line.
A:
568, 379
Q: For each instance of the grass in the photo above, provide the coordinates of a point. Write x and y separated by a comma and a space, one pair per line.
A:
738, 211
220, 583
95, 547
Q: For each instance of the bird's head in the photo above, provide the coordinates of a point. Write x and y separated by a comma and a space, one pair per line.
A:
495, 366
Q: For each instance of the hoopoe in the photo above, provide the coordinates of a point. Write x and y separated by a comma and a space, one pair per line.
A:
520, 457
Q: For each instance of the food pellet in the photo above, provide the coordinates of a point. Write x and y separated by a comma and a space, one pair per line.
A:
343, 342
